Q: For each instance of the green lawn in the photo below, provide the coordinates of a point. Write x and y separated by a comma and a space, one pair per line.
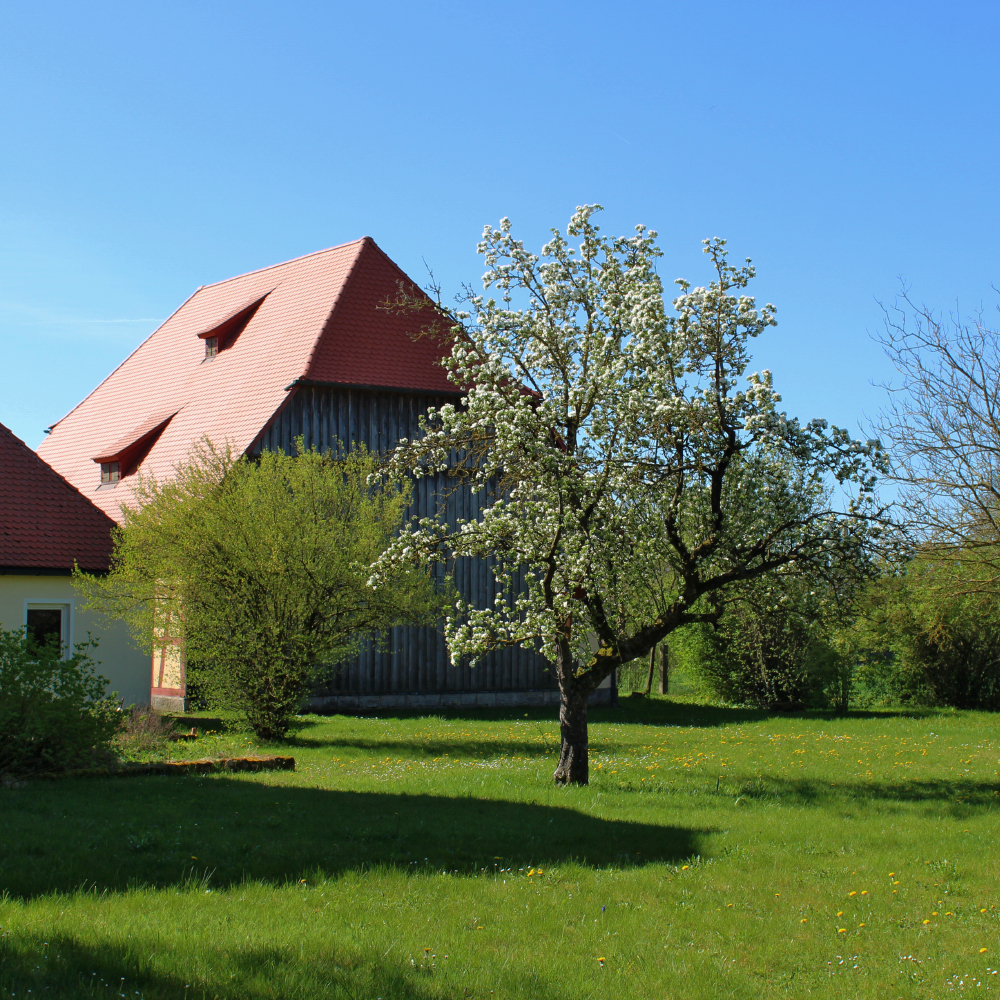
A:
717, 853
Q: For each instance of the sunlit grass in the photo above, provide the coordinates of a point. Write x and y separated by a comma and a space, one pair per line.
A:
716, 853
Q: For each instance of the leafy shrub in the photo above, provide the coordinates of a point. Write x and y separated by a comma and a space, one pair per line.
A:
260, 570
144, 734
926, 637
771, 648
54, 713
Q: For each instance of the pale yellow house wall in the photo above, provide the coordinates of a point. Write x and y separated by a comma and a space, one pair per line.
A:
126, 667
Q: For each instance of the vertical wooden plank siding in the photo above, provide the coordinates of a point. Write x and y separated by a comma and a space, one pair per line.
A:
412, 660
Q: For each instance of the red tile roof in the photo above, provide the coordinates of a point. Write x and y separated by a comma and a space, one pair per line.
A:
45, 523
319, 320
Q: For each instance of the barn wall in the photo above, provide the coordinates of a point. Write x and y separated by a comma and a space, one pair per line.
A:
413, 667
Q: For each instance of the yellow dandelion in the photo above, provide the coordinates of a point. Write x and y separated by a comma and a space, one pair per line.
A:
840, 913
892, 874
934, 913
841, 930
852, 893
861, 925
804, 920
983, 910
864, 892
684, 868
926, 921
982, 951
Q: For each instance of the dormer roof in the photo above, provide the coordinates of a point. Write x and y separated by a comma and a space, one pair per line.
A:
316, 319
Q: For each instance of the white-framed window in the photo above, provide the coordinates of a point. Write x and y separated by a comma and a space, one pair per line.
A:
47, 619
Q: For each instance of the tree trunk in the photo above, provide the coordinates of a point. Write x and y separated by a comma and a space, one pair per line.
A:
574, 759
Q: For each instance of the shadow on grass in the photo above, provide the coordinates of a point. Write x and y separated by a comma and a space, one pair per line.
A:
657, 711
957, 797
666, 711
421, 748
115, 833
62, 966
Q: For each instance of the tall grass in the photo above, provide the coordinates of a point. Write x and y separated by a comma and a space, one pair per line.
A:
716, 853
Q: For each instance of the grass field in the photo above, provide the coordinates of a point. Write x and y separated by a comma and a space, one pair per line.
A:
717, 853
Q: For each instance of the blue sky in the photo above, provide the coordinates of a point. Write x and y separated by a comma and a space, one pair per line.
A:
151, 148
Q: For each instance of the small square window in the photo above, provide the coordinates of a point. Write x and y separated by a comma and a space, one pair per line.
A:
211, 347
46, 626
109, 472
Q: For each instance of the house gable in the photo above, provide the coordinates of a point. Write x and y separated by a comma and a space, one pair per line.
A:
317, 319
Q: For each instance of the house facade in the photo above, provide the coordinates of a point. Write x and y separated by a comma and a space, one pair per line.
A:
46, 527
302, 349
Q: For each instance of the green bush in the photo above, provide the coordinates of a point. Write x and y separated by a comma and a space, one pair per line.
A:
772, 647
927, 637
54, 713
261, 569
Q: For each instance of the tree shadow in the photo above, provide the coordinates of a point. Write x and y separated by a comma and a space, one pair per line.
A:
116, 833
422, 748
961, 797
668, 712
65, 967
656, 711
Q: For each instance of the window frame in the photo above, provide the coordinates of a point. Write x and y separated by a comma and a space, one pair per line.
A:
68, 609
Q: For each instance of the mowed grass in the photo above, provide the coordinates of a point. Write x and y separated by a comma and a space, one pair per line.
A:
717, 853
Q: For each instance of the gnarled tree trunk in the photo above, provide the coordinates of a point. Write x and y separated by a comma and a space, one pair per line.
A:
574, 753
574, 760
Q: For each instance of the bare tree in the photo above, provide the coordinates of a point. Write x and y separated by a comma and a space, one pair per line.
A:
942, 427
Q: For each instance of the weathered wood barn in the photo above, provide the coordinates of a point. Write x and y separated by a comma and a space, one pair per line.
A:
302, 348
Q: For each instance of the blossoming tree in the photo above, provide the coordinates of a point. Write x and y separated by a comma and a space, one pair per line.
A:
632, 468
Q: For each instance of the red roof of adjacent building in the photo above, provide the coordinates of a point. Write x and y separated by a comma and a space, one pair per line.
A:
319, 318
45, 523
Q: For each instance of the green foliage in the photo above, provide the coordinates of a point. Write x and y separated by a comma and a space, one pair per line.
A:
777, 642
927, 636
260, 568
54, 713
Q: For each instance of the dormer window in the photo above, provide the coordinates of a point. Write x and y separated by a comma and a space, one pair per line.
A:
222, 335
120, 460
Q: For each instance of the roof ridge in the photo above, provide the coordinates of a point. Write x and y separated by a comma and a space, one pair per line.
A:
293, 260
